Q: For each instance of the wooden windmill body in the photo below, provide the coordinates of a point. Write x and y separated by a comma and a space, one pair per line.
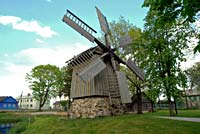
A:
98, 87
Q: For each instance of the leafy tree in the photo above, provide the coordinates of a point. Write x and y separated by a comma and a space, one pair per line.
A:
164, 50
43, 80
193, 74
60, 84
67, 80
64, 82
169, 11
64, 104
118, 29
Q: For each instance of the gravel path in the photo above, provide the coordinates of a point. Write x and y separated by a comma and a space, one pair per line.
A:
180, 118
43, 113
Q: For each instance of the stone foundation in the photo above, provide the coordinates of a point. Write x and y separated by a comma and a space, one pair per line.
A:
92, 107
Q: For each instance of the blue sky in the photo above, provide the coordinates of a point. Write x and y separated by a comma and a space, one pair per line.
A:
50, 14
32, 33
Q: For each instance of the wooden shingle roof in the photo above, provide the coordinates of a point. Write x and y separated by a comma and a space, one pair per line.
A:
83, 57
88, 54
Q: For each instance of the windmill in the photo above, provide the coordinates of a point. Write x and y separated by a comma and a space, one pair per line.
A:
96, 71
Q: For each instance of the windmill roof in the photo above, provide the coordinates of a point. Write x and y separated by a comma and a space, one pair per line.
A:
88, 54
83, 57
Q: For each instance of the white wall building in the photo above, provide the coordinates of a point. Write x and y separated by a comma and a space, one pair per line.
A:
28, 102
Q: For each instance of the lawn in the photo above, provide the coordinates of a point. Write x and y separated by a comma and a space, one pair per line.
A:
126, 124
181, 113
9, 117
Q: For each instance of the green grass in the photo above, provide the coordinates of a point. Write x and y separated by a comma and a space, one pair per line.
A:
181, 113
126, 124
8, 117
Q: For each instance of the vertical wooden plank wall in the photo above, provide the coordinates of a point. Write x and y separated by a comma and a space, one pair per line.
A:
97, 86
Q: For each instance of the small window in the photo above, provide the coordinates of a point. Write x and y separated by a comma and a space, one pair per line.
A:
4, 105
13, 105
27, 100
31, 105
9, 105
31, 100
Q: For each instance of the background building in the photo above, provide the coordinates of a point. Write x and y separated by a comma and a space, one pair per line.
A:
29, 102
57, 106
193, 98
8, 103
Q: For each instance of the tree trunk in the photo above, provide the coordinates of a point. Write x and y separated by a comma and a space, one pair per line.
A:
152, 107
186, 101
139, 100
175, 106
176, 110
40, 106
171, 111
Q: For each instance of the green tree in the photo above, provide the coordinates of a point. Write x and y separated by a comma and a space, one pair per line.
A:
67, 80
64, 82
169, 11
118, 29
43, 80
60, 84
193, 74
165, 45
64, 104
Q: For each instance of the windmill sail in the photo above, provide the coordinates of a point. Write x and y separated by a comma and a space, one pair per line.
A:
123, 87
125, 40
92, 70
80, 26
103, 21
135, 69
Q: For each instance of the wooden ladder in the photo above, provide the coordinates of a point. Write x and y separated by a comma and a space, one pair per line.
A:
113, 89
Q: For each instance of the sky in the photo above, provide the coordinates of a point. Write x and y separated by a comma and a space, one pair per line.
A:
32, 33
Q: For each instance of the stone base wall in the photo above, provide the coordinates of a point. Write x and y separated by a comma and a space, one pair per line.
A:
92, 107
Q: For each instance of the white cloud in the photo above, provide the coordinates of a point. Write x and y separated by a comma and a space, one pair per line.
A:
39, 40
56, 55
5, 20
14, 82
14, 68
13, 85
28, 26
